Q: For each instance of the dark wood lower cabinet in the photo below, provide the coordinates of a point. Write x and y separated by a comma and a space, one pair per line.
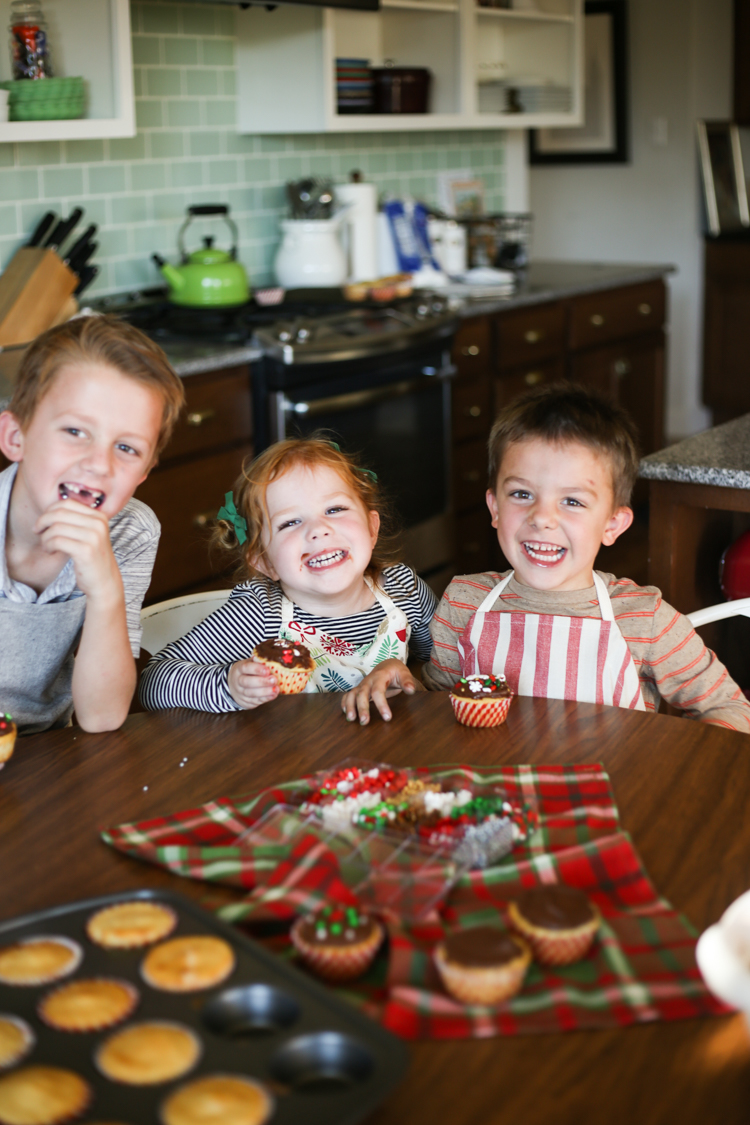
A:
726, 328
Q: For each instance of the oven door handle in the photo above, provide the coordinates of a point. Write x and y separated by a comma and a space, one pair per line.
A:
355, 400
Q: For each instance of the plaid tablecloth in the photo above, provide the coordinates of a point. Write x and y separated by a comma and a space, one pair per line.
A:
641, 968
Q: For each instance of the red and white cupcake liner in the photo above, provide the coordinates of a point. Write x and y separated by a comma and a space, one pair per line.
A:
337, 962
492, 985
481, 712
556, 949
291, 681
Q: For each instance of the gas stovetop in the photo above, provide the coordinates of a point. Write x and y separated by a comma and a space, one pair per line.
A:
309, 326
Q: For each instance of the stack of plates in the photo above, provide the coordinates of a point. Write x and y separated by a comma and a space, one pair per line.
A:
545, 98
45, 99
353, 86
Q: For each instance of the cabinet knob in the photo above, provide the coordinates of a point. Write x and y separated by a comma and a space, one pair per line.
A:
470, 349
473, 411
644, 308
597, 320
532, 378
471, 476
198, 417
622, 367
203, 519
533, 336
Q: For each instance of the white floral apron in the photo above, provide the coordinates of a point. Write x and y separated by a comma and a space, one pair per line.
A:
555, 657
340, 665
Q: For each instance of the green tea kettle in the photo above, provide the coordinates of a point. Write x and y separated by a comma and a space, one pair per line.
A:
207, 278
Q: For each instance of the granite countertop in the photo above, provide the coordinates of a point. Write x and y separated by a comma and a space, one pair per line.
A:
720, 456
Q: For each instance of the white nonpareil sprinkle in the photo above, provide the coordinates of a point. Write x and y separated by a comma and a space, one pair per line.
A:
340, 814
321, 935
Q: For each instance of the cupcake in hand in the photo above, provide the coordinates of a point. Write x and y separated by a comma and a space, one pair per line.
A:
558, 922
290, 661
481, 701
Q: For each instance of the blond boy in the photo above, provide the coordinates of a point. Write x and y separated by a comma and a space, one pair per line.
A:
94, 403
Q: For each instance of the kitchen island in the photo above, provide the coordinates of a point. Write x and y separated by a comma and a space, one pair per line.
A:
62, 787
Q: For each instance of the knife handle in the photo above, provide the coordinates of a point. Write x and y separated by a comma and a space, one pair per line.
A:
42, 228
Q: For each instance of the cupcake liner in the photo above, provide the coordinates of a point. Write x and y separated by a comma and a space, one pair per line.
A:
28, 1039
291, 681
493, 985
52, 975
97, 932
481, 712
161, 1077
193, 978
7, 744
555, 948
177, 1107
63, 1094
337, 962
92, 1024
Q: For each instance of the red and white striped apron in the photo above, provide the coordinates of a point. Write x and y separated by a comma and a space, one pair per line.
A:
554, 657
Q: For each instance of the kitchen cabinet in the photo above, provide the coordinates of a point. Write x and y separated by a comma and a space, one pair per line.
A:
726, 327
89, 38
186, 489
287, 64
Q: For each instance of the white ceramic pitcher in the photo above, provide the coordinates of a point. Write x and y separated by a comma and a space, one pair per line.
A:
310, 254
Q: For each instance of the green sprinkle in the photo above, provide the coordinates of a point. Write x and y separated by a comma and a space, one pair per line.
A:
336, 927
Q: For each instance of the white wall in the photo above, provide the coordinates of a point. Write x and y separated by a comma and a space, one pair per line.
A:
649, 210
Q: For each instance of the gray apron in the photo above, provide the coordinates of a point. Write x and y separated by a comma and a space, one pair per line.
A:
36, 661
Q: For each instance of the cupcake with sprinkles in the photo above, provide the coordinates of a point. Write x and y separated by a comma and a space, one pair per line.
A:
290, 661
481, 701
338, 942
8, 732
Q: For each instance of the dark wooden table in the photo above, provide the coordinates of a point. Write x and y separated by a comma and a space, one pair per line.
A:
682, 789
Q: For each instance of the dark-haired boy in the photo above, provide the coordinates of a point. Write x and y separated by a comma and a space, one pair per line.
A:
562, 467
94, 403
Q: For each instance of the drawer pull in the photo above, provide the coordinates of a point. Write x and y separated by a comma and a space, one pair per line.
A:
198, 417
645, 309
532, 378
622, 367
203, 519
471, 349
473, 411
533, 336
471, 476
597, 320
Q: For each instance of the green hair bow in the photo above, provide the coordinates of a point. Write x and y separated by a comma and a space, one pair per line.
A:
229, 512
365, 472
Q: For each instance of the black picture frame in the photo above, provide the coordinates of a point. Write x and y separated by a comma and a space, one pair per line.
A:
574, 146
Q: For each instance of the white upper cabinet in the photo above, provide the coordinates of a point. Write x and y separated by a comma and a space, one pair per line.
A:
89, 38
491, 67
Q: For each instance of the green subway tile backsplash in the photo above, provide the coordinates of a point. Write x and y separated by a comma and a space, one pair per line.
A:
187, 151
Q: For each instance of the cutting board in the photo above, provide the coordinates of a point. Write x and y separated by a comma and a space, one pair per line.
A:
34, 288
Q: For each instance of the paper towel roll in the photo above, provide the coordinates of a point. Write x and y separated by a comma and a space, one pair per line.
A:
360, 225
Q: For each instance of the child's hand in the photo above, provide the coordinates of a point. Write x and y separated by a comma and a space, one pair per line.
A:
386, 679
83, 534
251, 683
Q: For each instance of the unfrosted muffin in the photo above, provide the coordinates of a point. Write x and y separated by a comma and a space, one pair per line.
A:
88, 1005
559, 922
39, 960
42, 1095
16, 1039
338, 942
218, 1099
146, 1054
482, 964
128, 925
481, 701
290, 661
8, 732
187, 964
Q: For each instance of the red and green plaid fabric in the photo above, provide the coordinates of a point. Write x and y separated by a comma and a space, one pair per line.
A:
641, 967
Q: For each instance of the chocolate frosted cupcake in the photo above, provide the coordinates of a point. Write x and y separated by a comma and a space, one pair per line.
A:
128, 925
291, 663
16, 1039
218, 1099
39, 960
188, 964
88, 1005
8, 732
481, 701
339, 942
482, 965
558, 922
146, 1054
42, 1095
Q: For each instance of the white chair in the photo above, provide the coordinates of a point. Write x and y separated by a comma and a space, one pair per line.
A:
738, 608
169, 620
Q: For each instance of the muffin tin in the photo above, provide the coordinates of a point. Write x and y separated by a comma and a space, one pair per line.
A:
323, 1062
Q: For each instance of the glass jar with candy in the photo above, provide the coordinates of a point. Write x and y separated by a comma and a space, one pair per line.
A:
29, 45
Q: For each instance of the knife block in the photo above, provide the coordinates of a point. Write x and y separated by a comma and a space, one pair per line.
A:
34, 287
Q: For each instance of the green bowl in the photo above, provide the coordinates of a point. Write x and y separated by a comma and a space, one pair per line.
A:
47, 109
